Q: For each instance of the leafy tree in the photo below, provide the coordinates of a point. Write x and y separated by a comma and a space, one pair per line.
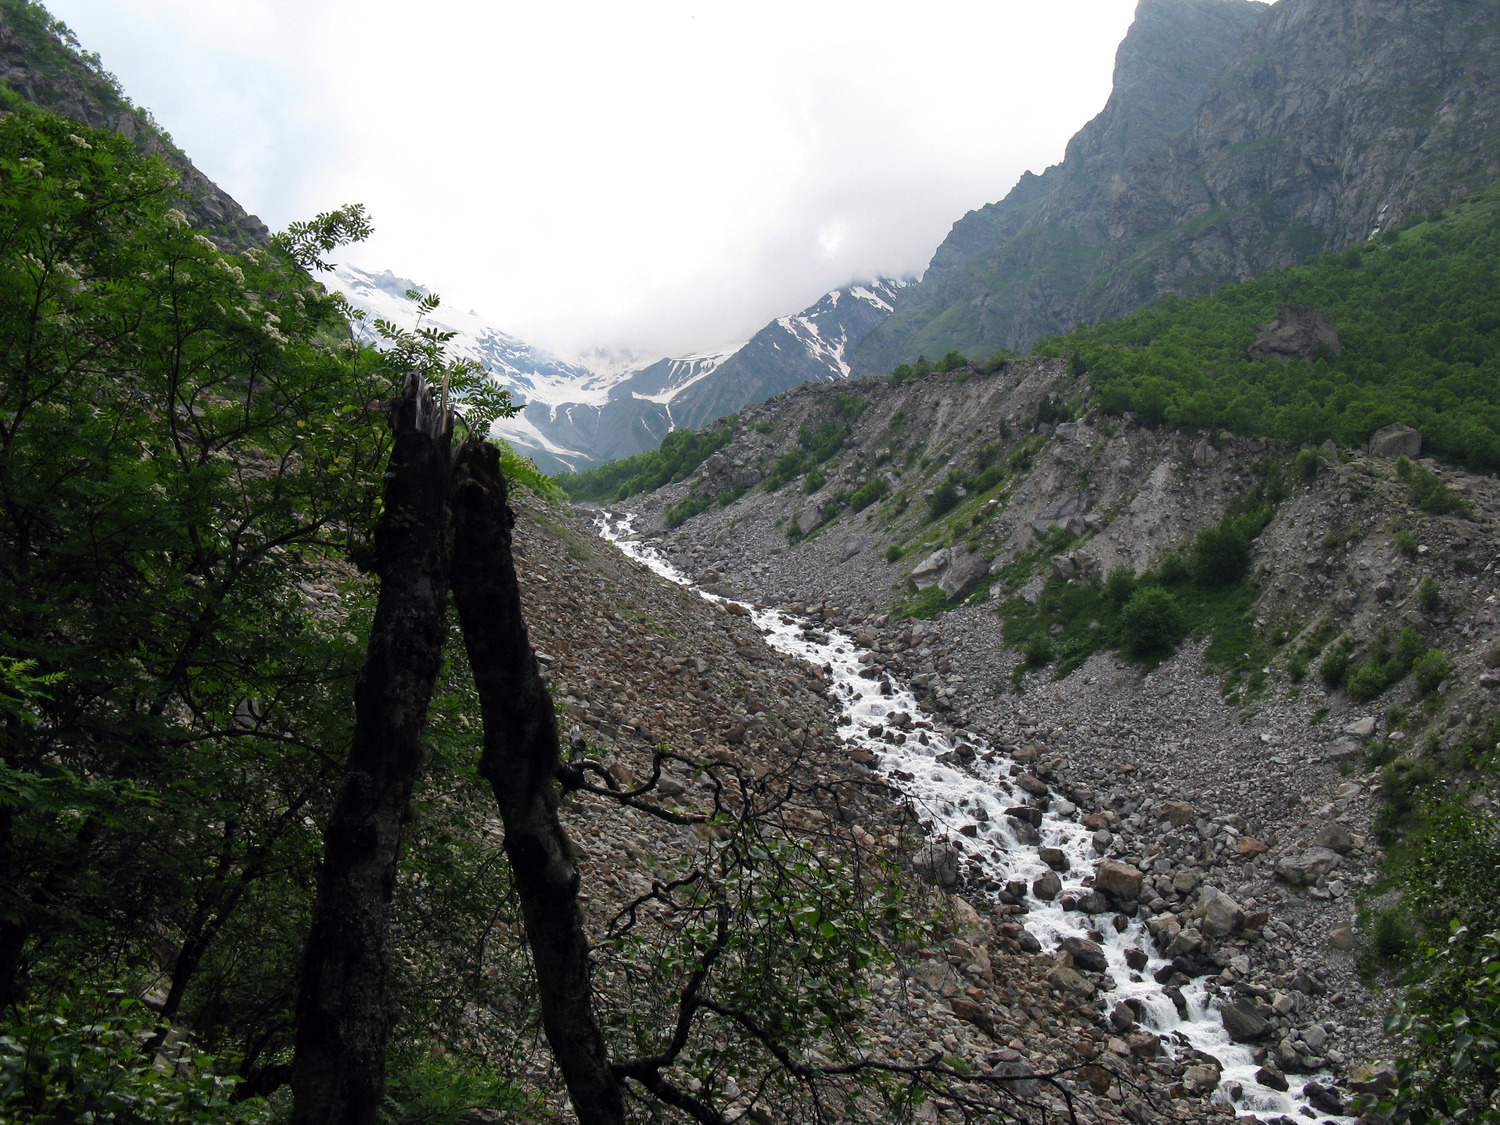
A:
1221, 555
1151, 622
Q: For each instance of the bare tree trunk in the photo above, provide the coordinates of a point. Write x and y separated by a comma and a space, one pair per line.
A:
338, 1072
520, 755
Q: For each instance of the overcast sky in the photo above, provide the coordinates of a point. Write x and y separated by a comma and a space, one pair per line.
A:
662, 175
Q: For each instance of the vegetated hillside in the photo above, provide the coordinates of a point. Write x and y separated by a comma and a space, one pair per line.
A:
1299, 643
42, 64
191, 463
1418, 342
1314, 125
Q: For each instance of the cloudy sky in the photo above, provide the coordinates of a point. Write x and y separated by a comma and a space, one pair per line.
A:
662, 175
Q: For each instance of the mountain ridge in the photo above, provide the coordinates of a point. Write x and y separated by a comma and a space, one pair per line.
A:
1320, 123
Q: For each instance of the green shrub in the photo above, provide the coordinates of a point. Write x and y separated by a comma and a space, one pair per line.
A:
1370, 679
1119, 585
1306, 464
1391, 937
867, 493
1409, 648
1430, 670
1150, 623
903, 373
1334, 668
1429, 594
893, 553
1171, 570
944, 499
82, 1061
1296, 668
1406, 543
1431, 494
1221, 555
952, 361
1038, 651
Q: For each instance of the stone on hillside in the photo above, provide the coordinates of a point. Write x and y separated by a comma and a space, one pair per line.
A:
1086, 954
1395, 440
966, 569
809, 518
1048, 887
1032, 784
970, 1012
1248, 846
929, 572
1019, 1074
1055, 858
1070, 980
1360, 728
1272, 1079
1219, 914
1095, 902
1344, 749
1204, 453
937, 864
1201, 1078
1491, 656
1177, 813
1117, 879
1322, 1099
1064, 566
1307, 867
1299, 332
1335, 837
1243, 1022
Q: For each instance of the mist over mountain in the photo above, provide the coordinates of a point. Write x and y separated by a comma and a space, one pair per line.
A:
577, 416
1239, 139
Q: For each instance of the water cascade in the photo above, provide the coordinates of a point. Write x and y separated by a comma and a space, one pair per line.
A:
970, 797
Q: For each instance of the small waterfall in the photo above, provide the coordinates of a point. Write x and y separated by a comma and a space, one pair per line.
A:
967, 792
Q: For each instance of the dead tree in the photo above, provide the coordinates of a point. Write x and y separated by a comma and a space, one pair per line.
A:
519, 760
338, 1073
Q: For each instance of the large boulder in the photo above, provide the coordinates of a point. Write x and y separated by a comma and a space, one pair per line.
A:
1299, 332
1243, 1022
966, 569
937, 864
930, 571
1395, 440
1307, 867
1118, 880
1086, 954
1218, 915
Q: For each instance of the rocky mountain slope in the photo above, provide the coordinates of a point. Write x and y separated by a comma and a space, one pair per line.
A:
1224, 767
1238, 139
40, 69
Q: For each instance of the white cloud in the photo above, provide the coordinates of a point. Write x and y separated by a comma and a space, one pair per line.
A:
667, 174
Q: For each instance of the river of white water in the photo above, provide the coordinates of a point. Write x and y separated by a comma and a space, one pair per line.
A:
966, 808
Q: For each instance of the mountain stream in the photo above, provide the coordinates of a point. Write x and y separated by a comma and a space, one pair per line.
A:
970, 809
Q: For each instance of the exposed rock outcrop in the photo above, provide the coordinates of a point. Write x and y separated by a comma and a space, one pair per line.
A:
1238, 139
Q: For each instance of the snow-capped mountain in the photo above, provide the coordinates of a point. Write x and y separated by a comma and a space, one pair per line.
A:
604, 405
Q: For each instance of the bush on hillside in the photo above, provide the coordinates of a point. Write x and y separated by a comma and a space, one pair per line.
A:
1151, 623
1221, 555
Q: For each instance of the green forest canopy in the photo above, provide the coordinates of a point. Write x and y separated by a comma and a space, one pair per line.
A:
1418, 317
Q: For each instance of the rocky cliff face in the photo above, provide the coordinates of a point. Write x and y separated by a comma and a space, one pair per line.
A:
38, 66
1238, 140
